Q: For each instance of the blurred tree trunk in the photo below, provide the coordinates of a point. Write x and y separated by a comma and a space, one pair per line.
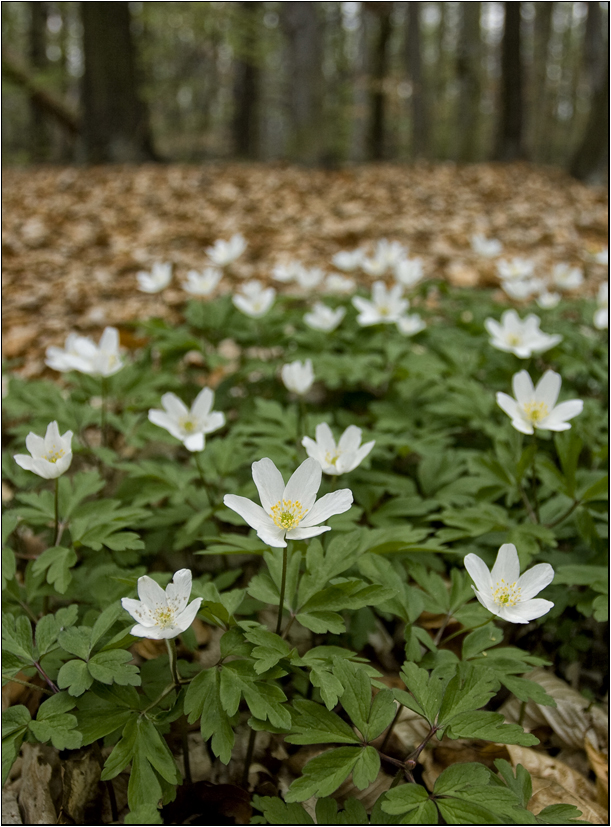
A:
593, 44
468, 77
115, 119
590, 161
509, 131
39, 126
302, 29
379, 69
246, 84
541, 114
360, 89
419, 109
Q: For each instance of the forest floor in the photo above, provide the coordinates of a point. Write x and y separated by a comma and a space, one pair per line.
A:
74, 237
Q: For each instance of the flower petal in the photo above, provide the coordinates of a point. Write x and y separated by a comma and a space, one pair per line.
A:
25, 461
523, 388
486, 601
350, 439
110, 340
194, 442
562, 412
179, 590
522, 426
507, 565
203, 403
305, 533
150, 592
35, 444
535, 580
324, 437
525, 612
335, 503
187, 616
166, 421
137, 610
508, 404
304, 484
360, 455
548, 388
269, 482
254, 515
175, 407
478, 571
213, 422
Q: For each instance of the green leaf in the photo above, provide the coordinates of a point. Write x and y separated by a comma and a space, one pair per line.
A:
313, 724
560, 814
520, 783
366, 769
411, 801
105, 621
147, 814
122, 752
323, 774
154, 748
356, 697
471, 688
75, 677
76, 640
489, 726
382, 712
322, 622
277, 812
113, 667
52, 722
329, 685
98, 721
203, 701
57, 562
597, 491
9, 565
424, 693
480, 640
17, 637
49, 626
15, 722
527, 690
269, 650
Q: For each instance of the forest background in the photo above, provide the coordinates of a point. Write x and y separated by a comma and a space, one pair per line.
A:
321, 83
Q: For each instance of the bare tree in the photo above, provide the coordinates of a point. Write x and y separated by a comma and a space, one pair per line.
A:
302, 29
509, 131
39, 125
541, 115
468, 76
115, 119
419, 108
379, 69
246, 84
590, 160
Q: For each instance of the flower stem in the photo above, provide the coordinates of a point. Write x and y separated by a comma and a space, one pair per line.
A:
10, 679
44, 675
171, 645
390, 729
185, 749
534, 479
56, 541
248, 760
282, 588
104, 411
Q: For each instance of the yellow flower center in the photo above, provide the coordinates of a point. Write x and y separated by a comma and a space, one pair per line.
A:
54, 454
384, 310
536, 411
164, 617
287, 514
331, 457
506, 594
187, 425
514, 339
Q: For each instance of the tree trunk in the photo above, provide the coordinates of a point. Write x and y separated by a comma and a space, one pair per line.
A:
509, 134
379, 68
39, 126
541, 114
468, 76
304, 41
115, 119
590, 161
246, 85
360, 89
419, 110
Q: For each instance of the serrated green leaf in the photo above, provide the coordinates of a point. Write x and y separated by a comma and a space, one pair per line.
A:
147, 814
113, 667
323, 774
122, 752
480, 640
17, 637
411, 801
425, 692
57, 562
53, 723
329, 686
9, 565
382, 712
154, 748
366, 768
356, 697
75, 677
560, 814
322, 622
15, 722
489, 726
76, 640
314, 724
105, 621
527, 690
471, 688
277, 812
520, 783
202, 700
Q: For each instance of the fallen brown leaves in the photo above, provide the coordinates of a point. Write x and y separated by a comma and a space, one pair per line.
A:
74, 238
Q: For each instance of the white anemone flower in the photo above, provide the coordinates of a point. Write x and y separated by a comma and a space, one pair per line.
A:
190, 426
409, 272
254, 300
521, 289
548, 300
309, 278
286, 272
82, 354
337, 458
348, 260
223, 253
204, 283
385, 307
336, 283
503, 592
486, 247
159, 277
288, 511
298, 377
323, 317
566, 277
517, 268
523, 338
602, 256
160, 614
387, 254
601, 316
410, 324
536, 407
50, 456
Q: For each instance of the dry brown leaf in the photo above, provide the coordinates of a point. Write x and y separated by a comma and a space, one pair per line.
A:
547, 792
447, 752
542, 765
599, 761
569, 720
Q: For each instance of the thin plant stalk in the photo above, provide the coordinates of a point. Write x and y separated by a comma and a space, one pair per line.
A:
534, 480
104, 411
171, 645
248, 760
56, 541
282, 588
